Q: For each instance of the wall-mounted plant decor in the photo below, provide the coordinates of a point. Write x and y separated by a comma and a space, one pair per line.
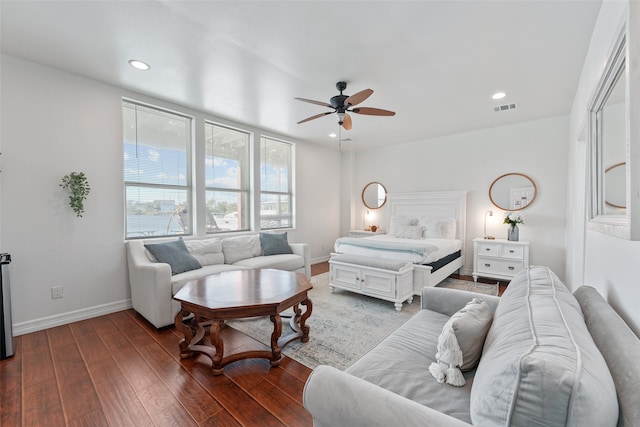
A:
78, 186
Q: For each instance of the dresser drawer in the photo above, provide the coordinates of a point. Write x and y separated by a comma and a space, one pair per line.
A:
488, 249
512, 251
499, 266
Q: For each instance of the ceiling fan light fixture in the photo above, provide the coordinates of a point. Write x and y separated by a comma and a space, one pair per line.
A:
341, 117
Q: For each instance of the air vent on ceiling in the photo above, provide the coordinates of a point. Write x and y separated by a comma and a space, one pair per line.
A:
345, 139
504, 107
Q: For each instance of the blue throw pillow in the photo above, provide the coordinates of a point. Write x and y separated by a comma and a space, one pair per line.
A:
274, 244
174, 253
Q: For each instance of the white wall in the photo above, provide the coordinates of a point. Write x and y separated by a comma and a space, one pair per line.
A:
55, 122
607, 263
471, 161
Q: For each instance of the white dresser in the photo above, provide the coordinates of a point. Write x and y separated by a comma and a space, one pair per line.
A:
499, 259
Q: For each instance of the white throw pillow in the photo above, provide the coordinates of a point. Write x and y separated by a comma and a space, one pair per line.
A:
206, 251
409, 232
241, 247
398, 221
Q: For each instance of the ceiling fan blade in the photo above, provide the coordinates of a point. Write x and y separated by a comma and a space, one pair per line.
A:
311, 101
315, 117
346, 123
373, 111
357, 98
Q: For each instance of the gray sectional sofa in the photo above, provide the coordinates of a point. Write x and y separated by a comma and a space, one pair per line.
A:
550, 358
153, 285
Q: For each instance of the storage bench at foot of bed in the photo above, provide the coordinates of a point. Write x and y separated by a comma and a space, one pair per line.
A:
380, 278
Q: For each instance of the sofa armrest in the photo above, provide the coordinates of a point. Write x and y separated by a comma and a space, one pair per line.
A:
304, 250
150, 286
449, 301
335, 398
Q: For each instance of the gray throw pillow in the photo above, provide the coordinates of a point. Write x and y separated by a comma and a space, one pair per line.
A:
470, 325
174, 253
274, 244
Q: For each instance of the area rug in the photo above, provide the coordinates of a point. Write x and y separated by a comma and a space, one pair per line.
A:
343, 325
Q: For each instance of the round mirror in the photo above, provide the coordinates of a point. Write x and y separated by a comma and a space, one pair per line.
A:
614, 186
374, 195
512, 191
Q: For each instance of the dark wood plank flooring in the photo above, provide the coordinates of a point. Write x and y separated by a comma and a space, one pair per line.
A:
118, 370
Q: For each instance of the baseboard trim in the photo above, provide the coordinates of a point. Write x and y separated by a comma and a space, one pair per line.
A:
320, 259
69, 317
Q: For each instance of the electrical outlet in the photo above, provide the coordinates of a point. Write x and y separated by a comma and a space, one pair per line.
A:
57, 292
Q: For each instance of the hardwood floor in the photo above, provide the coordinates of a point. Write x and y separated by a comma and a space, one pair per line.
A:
118, 370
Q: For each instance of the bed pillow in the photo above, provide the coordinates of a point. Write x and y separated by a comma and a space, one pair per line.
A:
448, 228
206, 251
174, 253
431, 227
409, 232
398, 221
275, 244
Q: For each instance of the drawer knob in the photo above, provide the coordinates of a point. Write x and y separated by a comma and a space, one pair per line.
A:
511, 251
511, 268
487, 249
487, 265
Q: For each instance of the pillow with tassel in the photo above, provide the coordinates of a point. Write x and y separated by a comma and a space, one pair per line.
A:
460, 342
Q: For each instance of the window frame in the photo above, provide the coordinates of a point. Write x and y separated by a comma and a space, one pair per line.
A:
187, 187
245, 193
290, 185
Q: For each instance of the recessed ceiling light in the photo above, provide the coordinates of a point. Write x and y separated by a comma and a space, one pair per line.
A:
498, 95
139, 64
332, 135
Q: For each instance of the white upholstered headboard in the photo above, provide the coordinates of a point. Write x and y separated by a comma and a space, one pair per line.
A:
436, 204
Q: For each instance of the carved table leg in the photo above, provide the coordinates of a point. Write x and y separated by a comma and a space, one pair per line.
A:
216, 341
303, 320
187, 331
275, 348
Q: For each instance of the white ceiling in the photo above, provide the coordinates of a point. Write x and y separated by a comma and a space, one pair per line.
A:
436, 63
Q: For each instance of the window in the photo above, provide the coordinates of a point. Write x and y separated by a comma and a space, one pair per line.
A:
227, 178
157, 179
276, 185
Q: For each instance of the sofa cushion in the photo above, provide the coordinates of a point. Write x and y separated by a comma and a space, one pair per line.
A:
470, 326
275, 244
206, 251
241, 247
399, 364
539, 364
279, 262
174, 253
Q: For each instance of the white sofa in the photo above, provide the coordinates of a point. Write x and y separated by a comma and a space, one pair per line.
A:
153, 285
550, 358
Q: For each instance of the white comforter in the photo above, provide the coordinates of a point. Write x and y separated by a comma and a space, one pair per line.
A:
416, 251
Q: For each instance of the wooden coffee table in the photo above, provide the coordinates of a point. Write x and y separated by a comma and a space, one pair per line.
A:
240, 294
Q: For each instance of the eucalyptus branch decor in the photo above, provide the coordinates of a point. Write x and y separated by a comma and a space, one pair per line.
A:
78, 186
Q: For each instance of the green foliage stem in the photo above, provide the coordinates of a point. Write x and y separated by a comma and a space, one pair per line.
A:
78, 186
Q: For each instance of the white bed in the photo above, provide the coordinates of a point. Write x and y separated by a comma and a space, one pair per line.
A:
440, 205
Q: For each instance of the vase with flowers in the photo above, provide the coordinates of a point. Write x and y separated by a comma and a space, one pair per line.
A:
513, 220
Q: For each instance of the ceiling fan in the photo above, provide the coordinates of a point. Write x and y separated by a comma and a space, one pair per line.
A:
342, 105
